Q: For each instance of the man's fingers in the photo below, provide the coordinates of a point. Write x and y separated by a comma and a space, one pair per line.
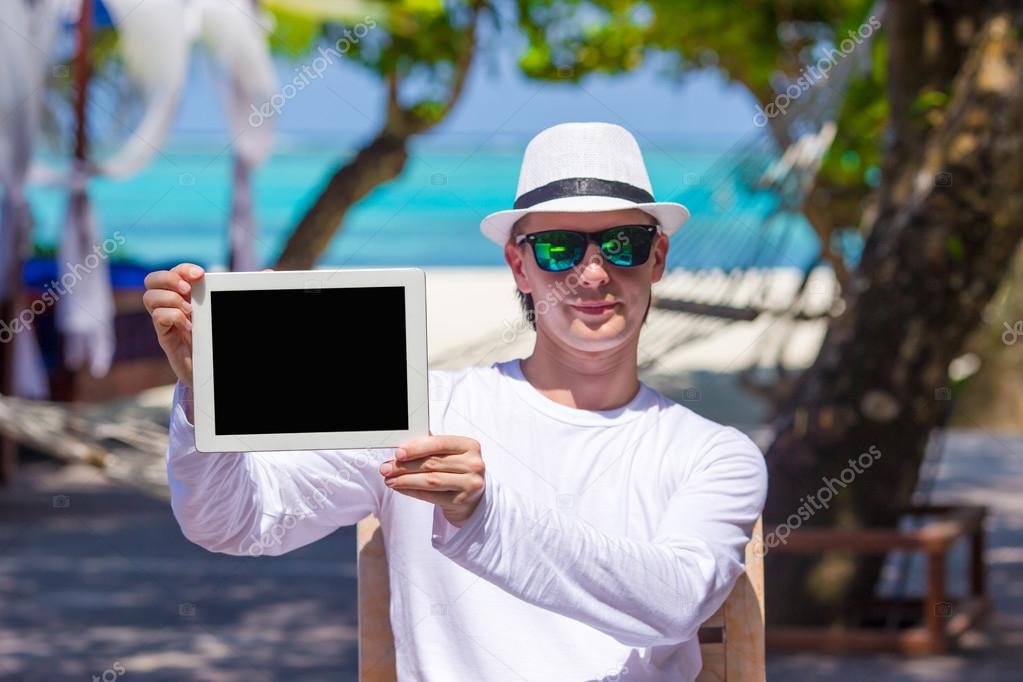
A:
433, 481
432, 445
189, 271
445, 498
166, 319
169, 280
161, 298
178, 279
457, 464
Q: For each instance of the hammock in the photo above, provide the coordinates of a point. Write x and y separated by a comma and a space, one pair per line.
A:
126, 438
726, 265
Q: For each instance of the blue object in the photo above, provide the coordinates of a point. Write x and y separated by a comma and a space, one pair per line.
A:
102, 16
39, 271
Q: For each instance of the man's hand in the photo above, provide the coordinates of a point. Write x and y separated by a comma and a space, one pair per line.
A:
168, 300
445, 470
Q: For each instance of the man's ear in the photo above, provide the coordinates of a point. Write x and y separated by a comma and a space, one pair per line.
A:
513, 256
660, 257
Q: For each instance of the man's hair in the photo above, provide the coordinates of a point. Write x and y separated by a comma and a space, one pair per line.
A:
526, 300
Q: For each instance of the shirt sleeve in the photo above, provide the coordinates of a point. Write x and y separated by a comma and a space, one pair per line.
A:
642, 593
266, 503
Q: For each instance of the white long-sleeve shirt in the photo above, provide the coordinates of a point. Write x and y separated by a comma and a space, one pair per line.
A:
602, 541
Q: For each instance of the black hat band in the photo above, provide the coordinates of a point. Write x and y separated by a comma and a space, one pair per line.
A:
581, 187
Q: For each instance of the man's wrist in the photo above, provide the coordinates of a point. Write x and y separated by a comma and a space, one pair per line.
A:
187, 398
447, 537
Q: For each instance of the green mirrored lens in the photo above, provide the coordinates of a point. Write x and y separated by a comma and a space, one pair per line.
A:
557, 250
626, 246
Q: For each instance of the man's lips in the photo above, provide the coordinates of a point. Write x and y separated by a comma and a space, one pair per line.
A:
595, 306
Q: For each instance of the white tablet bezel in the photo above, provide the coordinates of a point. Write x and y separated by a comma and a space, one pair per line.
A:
414, 282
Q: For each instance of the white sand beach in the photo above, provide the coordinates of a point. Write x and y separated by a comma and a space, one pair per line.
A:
475, 318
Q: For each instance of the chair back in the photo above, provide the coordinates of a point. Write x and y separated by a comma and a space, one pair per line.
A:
731, 641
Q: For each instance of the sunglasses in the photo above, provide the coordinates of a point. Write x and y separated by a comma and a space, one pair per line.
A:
625, 246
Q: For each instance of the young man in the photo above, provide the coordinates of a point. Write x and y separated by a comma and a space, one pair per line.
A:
563, 521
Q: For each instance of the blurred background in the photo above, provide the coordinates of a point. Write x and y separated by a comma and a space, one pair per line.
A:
845, 291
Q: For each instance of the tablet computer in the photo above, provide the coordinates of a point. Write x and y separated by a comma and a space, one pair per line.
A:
304, 360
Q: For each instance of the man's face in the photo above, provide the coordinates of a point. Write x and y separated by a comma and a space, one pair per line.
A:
566, 303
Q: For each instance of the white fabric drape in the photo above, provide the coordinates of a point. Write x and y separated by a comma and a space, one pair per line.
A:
85, 315
236, 38
26, 35
154, 40
154, 37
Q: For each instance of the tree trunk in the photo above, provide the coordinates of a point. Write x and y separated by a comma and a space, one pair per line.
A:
879, 385
928, 43
380, 161
992, 399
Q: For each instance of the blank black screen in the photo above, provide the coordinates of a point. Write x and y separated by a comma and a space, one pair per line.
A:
298, 360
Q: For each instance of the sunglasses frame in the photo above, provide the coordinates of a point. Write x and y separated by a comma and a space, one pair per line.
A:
595, 237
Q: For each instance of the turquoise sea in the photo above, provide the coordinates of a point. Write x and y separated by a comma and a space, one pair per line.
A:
177, 209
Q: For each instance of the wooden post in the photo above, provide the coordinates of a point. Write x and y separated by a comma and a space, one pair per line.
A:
8, 447
933, 617
376, 637
745, 658
82, 71
978, 578
65, 383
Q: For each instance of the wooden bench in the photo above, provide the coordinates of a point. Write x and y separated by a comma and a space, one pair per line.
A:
731, 641
938, 620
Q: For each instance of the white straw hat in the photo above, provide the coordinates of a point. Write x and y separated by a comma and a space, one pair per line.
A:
583, 168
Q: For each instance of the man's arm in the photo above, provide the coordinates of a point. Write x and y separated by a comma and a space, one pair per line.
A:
265, 503
641, 593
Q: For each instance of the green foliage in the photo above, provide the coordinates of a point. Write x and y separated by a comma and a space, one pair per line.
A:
954, 247
861, 122
929, 99
294, 34
418, 41
429, 110
758, 44
570, 39
377, 35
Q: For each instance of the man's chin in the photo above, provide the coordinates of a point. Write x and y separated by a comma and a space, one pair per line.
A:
596, 336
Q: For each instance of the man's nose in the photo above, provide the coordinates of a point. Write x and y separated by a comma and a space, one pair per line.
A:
594, 266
